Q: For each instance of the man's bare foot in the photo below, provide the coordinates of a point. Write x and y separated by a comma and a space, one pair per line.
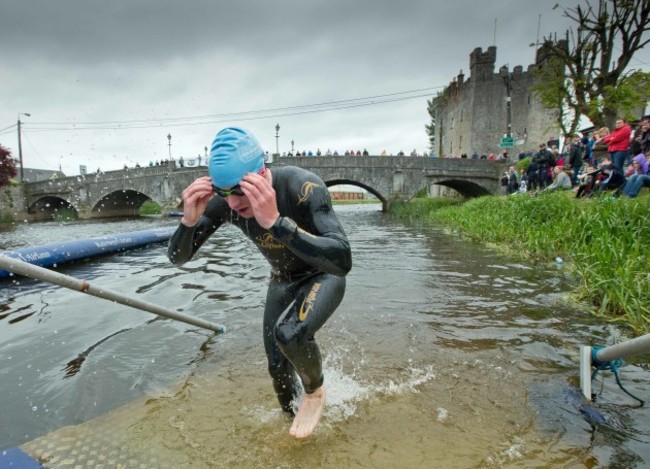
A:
309, 413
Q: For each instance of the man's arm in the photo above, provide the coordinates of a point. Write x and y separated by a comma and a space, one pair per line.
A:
329, 251
200, 219
186, 240
321, 241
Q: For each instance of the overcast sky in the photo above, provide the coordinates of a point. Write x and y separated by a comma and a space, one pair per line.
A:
105, 82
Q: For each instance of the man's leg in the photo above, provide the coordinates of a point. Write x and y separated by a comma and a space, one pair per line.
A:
316, 300
618, 159
285, 380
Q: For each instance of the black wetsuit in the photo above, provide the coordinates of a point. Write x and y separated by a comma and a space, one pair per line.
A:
309, 255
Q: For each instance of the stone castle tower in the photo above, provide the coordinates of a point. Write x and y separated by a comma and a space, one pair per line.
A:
471, 114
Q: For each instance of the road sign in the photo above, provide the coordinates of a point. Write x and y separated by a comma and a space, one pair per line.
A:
507, 142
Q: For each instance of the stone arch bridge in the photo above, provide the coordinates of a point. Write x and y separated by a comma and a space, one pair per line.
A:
121, 193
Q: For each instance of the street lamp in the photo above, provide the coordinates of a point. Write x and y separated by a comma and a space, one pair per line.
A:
20, 146
169, 138
277, 136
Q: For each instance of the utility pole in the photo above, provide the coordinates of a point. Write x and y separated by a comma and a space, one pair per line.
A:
20, 146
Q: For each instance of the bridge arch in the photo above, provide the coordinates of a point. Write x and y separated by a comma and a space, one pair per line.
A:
464, 187
119, 203
49, 206
350, 182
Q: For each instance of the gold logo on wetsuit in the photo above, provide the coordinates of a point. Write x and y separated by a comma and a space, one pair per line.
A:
267, 241
308, 302
306, 191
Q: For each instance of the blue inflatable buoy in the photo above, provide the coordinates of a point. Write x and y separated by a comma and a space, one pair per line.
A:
49, 255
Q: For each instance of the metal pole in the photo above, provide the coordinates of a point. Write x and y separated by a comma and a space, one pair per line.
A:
640, 345
508, 102
33, 271
277, 136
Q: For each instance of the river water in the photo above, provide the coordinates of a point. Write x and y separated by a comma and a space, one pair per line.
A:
443, 353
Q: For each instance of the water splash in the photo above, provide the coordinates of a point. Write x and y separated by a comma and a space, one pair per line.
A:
347, 390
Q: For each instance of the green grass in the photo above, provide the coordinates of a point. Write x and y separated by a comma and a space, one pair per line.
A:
65, 214
603, 241
149, 207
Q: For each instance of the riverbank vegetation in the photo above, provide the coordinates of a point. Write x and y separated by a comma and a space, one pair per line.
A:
604, 241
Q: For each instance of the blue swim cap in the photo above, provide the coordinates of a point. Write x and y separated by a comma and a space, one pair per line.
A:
234, 153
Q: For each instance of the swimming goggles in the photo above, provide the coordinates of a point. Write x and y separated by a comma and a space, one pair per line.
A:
235, 190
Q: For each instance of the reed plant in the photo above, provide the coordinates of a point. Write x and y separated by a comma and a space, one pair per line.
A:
604, 241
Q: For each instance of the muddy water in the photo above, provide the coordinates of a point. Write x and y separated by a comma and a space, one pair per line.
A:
442, 354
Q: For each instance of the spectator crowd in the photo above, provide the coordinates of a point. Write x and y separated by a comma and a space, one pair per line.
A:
365, 152
603, 161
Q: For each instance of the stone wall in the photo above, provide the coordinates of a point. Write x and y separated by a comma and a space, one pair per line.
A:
12, 204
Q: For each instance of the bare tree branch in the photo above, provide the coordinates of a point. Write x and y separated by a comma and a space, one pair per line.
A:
596, 57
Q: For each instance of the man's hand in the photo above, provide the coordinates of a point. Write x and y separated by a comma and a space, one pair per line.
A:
261, 196
195, 199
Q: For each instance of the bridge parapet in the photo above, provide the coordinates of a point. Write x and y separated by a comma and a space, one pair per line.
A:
59, 184
391, 177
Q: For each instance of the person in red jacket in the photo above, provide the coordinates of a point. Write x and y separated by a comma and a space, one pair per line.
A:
618, 143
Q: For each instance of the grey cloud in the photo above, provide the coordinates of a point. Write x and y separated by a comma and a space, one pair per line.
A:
118, 60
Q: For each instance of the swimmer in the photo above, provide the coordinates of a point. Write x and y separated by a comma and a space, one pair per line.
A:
288, 214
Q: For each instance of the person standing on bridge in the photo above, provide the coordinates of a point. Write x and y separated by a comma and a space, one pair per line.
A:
288, 214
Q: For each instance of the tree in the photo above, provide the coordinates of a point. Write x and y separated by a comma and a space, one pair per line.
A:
7, 166
431, 128
588, 73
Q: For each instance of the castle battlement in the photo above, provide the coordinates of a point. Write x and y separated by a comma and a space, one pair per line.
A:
478, 57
